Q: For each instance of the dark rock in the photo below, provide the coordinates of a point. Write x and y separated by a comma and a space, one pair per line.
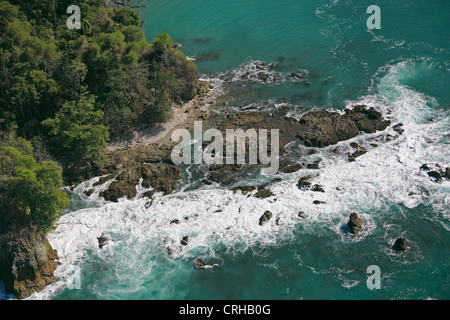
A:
263, 76
324, 128
398, 128
88, 192
265, 218
102, 241
317, 188
366, 119
118, 190
148, 204
104, 179
298, 76
184, 241
436, 171
176, 221
314, 165
291, 168
27, 260
244, 189
400, 245
436, 175
162, 177
302, 215
355, 223
358, 153
199, 263
303, 183
263, 193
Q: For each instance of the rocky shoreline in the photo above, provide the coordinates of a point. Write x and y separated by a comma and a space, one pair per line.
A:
27, 260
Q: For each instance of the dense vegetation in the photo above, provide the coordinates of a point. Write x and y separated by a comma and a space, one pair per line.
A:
65, 92
31, 184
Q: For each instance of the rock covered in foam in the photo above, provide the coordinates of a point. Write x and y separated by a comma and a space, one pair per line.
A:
162, 177
199, 263
102, 241
267, 215
437, 172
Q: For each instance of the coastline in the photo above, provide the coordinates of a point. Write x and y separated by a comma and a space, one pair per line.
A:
183, 116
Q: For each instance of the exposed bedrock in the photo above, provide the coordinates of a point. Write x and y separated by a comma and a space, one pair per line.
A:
323, 128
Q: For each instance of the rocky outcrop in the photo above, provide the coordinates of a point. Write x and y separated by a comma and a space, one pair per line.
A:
400, 245
436, 172
323, 128
27, 260
367, 120
267, 215
354, 224
161, 177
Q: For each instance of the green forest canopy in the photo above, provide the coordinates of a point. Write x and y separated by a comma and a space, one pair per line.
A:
69, 91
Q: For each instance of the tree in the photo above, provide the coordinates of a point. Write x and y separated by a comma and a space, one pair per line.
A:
77, 131
34, 186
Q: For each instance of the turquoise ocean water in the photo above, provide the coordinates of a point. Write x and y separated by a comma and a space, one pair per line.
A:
402, 69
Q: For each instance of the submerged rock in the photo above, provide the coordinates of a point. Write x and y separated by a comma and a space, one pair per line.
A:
354, 224
199, 263
400, 245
